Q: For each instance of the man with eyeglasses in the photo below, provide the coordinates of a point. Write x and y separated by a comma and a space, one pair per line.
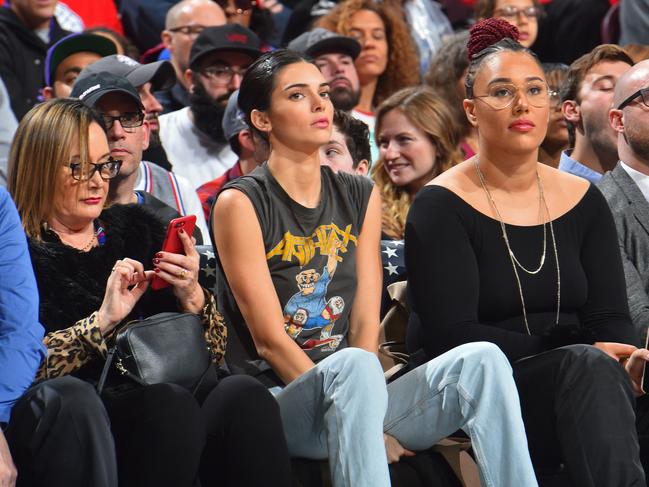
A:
626, 188
152, 178
184, 22
146, 78
587, 96
128, 135
193, 137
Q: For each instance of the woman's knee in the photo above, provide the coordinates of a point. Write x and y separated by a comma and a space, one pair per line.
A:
586, 361
69, 396
239, 397
358, 371
483, 356
356, 361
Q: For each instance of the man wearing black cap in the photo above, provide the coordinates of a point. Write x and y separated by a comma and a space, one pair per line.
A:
128, 135
146, 78
67, 58
245, 143
183, 23
193, 136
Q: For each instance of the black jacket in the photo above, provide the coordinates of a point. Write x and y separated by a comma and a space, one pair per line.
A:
22, 59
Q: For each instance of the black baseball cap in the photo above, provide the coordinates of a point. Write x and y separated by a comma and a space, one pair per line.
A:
322, 41
71, 45
161, 74
92, 87
229, 37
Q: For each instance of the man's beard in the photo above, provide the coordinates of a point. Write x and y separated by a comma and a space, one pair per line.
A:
154, 139
344, 99
208, 112
639, 143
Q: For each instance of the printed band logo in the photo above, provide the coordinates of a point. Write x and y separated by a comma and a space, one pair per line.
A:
88, 91
322, 240
125, 60
241, 38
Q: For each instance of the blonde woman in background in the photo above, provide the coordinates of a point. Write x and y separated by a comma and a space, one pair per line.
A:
418, 139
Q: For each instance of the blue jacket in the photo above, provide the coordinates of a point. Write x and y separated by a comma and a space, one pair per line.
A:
21, 334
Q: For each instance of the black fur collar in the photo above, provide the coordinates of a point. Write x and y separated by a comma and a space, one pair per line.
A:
72, 283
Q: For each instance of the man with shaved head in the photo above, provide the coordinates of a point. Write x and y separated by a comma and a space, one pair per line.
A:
184, 22
626, 187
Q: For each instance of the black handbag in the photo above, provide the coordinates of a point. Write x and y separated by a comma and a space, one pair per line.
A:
164, 348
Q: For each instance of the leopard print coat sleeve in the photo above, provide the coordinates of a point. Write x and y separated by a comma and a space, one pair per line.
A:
71, 348
216, 333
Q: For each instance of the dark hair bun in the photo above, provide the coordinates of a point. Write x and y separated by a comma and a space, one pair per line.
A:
487, 32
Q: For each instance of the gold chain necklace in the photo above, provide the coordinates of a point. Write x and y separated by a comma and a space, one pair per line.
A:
87, 247
90, 242
543, 205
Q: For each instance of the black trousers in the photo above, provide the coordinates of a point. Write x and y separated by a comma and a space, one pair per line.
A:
578, 409
61, 434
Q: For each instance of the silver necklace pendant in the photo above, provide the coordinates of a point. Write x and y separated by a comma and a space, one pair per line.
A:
543, 205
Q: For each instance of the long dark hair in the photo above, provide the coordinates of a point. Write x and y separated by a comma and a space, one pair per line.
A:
259, 81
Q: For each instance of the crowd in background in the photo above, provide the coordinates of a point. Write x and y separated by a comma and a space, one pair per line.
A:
493, 154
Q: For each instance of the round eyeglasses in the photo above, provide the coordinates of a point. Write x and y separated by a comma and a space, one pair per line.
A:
502, 95
511, 12
83, 171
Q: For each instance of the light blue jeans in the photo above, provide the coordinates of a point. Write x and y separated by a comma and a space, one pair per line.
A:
340, 408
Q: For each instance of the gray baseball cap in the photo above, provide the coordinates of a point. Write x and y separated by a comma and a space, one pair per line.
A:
161, 74
322, 41
91, 88
234, 120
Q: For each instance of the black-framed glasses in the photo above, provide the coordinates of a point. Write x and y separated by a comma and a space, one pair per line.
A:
643, 93
128, 120
511, 12
222, 74
502, 95
188, 30
85, 171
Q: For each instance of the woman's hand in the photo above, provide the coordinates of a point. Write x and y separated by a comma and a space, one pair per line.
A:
181, 271
394, 450
632, 358
635, 367
126, 284
7, 469
617, 351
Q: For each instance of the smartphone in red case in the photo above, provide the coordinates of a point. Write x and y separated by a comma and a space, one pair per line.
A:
173, 244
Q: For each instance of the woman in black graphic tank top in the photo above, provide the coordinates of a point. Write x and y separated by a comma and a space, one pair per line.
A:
299, 280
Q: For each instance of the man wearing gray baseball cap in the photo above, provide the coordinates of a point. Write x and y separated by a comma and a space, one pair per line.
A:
334, 55
128, 133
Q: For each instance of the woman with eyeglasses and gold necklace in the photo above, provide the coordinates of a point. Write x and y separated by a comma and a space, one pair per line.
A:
502, 248
93, 265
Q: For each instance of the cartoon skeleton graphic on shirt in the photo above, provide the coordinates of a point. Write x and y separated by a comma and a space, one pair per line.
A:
308, 309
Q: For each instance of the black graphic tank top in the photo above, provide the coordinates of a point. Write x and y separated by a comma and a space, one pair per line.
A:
311, 256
